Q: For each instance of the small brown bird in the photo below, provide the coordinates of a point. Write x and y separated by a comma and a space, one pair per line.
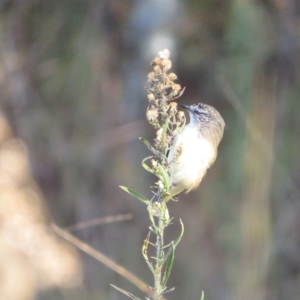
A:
197, 143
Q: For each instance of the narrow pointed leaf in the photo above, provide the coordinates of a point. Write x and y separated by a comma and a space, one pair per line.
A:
150, 208
125, 292
145, 166
169, 290
135, 194
168, 266
180, 236
164, 177
145, 252
202, 296
145, 246
149, 146
180, 93
176, 242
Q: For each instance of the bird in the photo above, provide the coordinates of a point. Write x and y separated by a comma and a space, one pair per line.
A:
195, 148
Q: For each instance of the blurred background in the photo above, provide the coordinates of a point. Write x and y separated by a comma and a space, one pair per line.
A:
72, 78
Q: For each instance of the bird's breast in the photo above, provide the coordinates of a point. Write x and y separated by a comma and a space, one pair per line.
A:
196, 157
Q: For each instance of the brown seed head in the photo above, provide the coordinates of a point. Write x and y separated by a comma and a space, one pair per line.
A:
156, 61
164, 54
176, 87
166, 64
174, 106
157, 69
159, 134
151, 76
150, 97
180, 115
172, 76
154, 163
152, 115
160, 87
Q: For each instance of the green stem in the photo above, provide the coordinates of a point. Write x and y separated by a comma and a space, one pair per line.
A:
158, 288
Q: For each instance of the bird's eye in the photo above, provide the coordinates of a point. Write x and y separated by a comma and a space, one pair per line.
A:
201, 109
201, 112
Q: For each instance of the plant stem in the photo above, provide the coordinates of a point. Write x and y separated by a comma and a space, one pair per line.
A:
158, 288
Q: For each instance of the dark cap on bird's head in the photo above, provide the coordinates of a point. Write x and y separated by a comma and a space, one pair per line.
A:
204, 114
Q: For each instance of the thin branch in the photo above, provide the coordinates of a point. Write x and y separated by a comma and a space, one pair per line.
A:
98, 221
103, 259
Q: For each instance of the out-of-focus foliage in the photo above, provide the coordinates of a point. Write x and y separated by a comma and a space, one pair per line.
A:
72, 75
32, 257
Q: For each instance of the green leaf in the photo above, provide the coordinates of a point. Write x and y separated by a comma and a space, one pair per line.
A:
149, 146
181, 234
176, 242
135, 194
169, 266
150, 210
145, 252
202, 296
164, 177
145, 166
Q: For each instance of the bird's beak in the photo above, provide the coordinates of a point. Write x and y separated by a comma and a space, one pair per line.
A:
185, 106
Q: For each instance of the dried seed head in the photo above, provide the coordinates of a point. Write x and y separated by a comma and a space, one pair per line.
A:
164, 54
166, 80
173, 106
160, 184
180, 115
151, 76
178, 153
159, 134
156, 61
154, 163
176, 87
172, 76
160, 87
157, 69
152, 115
166, 64
150, 97
179, 149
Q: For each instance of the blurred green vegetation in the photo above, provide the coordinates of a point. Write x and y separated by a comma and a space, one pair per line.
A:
72, 75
